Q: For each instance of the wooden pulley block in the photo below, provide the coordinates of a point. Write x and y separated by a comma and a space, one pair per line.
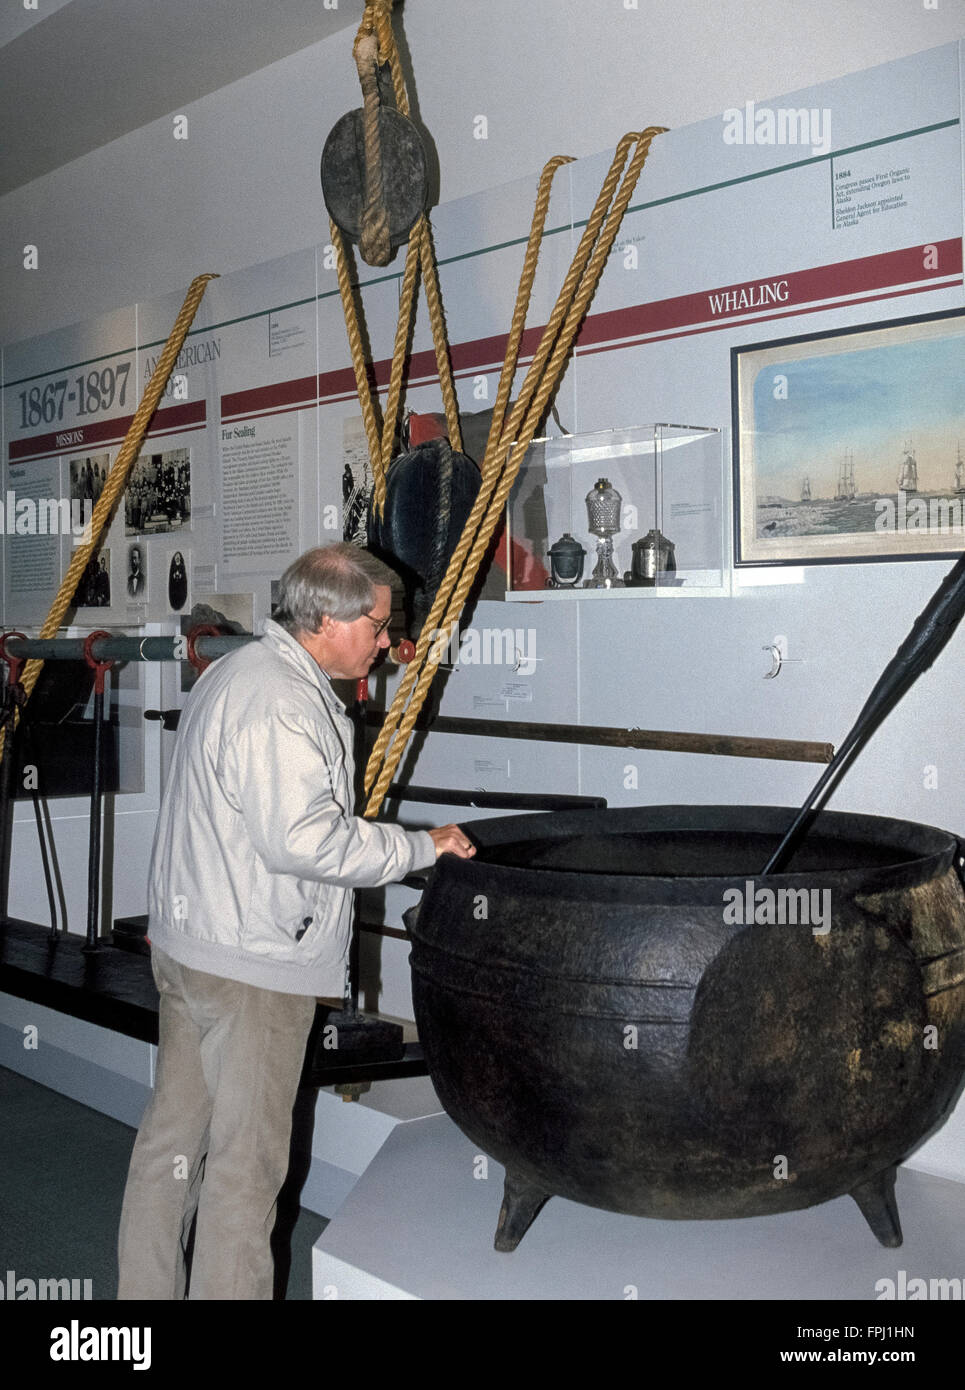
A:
405, 181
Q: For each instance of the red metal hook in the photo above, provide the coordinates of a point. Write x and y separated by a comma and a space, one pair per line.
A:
15, 664
199, 662
100, 668
403, 653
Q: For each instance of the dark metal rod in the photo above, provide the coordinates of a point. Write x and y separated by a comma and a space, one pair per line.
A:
125, 648
933, 628
6, 809
40, 810
380, 929
358, 735
660, 740
94, 844
508, 801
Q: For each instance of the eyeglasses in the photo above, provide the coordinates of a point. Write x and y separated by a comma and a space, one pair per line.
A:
379, 626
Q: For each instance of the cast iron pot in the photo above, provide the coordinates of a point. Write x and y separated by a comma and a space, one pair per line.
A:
596, 1016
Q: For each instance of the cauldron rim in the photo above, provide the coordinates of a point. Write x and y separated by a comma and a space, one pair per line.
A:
926, 851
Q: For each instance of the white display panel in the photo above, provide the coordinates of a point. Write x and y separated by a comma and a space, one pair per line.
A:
68, 398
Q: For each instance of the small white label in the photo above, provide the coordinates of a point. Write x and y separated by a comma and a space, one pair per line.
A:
519, 691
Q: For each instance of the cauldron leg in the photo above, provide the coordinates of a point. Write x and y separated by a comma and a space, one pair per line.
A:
876, 1199
521, 1203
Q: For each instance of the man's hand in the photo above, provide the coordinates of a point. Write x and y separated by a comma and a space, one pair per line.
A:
452, 839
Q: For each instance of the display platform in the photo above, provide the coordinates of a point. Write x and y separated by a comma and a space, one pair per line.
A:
419, 1224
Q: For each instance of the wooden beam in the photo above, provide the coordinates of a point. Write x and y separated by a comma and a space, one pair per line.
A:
658, 740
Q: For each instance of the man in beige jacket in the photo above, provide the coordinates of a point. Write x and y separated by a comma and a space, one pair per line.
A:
256, 853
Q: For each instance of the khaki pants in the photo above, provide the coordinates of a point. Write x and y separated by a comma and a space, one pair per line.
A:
214, 1138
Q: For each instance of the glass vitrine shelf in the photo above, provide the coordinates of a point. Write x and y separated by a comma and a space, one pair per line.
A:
661, 486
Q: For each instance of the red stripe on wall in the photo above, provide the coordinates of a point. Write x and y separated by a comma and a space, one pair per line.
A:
269, 398
858, 277
70, 439
864, 279
765, 318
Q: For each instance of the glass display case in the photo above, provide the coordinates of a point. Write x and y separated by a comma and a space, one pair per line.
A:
624, 513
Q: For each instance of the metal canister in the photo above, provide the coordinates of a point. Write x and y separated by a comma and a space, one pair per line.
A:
566, 562
653, 555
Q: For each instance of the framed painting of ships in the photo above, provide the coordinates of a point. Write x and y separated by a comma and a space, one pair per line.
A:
850, 445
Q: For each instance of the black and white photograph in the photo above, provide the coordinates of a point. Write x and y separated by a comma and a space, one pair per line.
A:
94, 590
87, 478
158, 494
356, 481
136, 573
177, 582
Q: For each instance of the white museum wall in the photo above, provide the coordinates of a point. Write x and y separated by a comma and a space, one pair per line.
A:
139, 216
229, 201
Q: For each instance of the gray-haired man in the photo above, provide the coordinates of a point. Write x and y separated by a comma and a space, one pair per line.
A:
255, 856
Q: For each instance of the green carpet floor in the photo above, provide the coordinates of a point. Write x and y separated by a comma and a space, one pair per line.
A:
62, 1174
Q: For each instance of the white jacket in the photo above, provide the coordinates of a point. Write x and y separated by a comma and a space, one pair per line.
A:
257, 850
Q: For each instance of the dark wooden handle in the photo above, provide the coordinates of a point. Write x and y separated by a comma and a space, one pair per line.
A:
931, 632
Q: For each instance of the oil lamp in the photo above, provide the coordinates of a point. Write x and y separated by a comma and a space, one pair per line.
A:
603, 510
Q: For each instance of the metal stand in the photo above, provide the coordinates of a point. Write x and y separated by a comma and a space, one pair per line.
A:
13, 698
358, 1038
100, 669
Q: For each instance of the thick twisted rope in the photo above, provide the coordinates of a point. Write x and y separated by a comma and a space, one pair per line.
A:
436, 568
490, 473
521, 308
430, 283
370, 412
374, 244
541, 382
117, 478
490, 467
400, 349
377, 19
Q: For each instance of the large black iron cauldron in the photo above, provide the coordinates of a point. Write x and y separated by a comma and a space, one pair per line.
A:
594, 1017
